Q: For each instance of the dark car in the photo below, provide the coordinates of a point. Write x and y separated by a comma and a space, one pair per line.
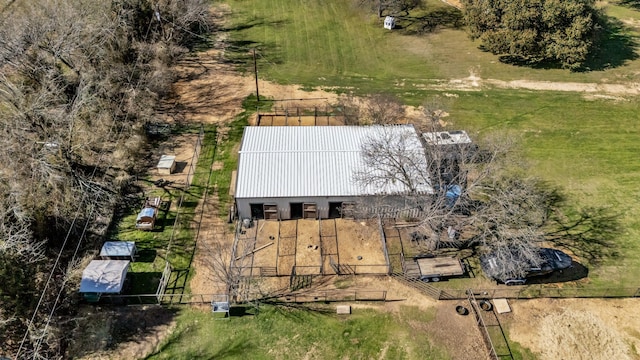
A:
552, 260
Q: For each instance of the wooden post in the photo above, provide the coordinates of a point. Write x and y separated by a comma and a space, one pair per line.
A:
255, 71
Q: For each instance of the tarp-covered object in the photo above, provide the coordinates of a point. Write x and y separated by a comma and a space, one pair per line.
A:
147, 212
104, 276
118, 249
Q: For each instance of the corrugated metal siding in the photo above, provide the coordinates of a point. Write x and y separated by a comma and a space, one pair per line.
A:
299, 161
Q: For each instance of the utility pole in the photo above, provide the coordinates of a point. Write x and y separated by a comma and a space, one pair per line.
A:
255, 71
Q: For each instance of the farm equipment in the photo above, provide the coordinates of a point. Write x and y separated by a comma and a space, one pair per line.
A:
431, 268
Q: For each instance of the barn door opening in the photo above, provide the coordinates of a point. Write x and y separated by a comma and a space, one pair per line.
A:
257, 211
296, 210
335, 210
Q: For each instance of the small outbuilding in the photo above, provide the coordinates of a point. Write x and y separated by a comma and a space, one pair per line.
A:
103, 277
166, 165
118, 250
389, 22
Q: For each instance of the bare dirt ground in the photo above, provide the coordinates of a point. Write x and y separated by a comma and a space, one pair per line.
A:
182, 147
597, 329
359, 244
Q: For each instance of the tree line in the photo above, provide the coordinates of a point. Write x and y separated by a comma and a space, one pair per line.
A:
78, 81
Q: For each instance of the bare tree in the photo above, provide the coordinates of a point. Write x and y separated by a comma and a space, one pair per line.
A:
383, 109
390, 158
474, 192
379, 109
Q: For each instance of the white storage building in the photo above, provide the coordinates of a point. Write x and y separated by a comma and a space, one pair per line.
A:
288, 172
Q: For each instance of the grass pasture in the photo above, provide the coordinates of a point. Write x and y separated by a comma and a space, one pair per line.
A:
584, 145
334, 44
278, 333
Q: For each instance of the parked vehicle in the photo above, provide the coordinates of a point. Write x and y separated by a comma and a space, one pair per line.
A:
552, 260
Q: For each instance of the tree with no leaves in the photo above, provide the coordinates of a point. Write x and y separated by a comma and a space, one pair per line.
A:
475, 193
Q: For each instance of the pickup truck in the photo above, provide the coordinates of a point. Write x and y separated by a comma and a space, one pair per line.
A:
431, 268
552, 260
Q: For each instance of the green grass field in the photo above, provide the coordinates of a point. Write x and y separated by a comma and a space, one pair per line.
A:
334, 44
280, 333
587, 147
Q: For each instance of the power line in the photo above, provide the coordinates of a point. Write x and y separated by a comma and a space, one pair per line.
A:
80, 205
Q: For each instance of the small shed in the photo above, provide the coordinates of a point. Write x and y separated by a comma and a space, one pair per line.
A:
103, 277
118, 250
389, 22
166, 165
146, 218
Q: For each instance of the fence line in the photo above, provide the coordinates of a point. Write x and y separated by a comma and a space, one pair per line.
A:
194, 159
302, 297
483, 327
190, 174
336, 296
384, 245
539, 291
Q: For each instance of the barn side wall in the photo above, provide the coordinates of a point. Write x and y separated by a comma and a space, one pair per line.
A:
368, 206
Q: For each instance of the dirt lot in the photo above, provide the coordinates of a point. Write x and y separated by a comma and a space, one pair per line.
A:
180, 146
598, 329
267, 234
277, 120
299, 244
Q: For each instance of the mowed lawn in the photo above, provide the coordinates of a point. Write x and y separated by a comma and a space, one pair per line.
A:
333, 43
586, 146
283, 333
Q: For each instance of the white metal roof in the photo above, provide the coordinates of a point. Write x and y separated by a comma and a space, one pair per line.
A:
118, 248
304, 161
166, 161
447, 137
104, 276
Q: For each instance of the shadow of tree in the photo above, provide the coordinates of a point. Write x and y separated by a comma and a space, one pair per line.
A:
589, 233
634, 4
613, 47
430, 21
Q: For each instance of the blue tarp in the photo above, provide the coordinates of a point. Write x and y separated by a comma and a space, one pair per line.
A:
453, 193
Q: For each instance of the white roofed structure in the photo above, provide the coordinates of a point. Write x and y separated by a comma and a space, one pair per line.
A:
455, 137
104, 276
288, 165
118, 250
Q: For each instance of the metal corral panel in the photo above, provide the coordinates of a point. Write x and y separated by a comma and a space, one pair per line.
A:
301, 161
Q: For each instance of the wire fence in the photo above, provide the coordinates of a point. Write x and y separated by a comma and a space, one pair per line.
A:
194, 159
335, 296
541, 291
301, 116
